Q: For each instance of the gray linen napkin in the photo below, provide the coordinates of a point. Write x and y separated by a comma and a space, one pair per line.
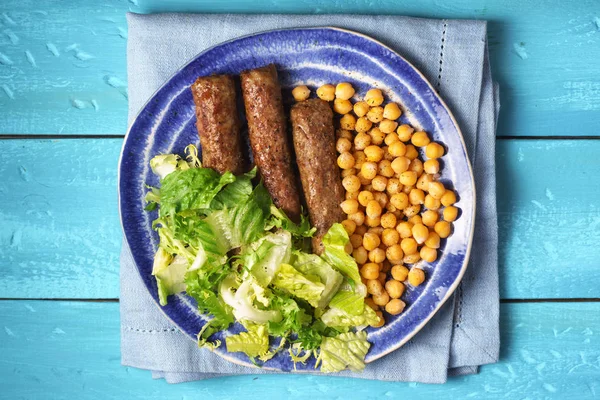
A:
453, 56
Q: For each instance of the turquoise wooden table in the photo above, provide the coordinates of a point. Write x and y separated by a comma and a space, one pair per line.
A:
63, 110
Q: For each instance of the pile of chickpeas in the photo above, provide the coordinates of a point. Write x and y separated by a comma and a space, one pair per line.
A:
397, 210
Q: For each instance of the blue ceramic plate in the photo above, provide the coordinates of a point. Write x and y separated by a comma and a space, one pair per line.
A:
313, 57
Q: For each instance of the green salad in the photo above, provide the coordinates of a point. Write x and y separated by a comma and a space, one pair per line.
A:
224, 243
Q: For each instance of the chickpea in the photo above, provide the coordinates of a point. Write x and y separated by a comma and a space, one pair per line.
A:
349, 206
345, 161
358, 218
399, 273
397, 149
361, 230
432, 203
391, 111
348, 248
363, 125
382, 277
434, 150
369, 302
381, 198
374, 97
373, 209
424, 181
377, 255
420, 139
433, 241
393, 186
415, 219
380, 321
395, 306
376, 230
416, 165
361, 108
405, 132
388, 126
301, 93
374, 287
448, 198
347, 172
407, 189
382, 299
399, 200
379, 183
362, 141
343, 145
416, 196
374, 153
390, 237
369, 270
370, 241
369, 170
372, 221
432, 166
326, 92
342, 106
436, 190
388, 221
390, 139
404, 229
364, 197
351, 183
443, 228
416, 276
348, 121
411, 152
363, 181
420, 233
349, 226
450, 213
412, 210
411, 258
409, 245
400, 165
394, 254
359, 158
408, 178
429, 218
343, 133
428, 254
377, 137
344, 91
351, 195
375, 114
394, 288
385, 168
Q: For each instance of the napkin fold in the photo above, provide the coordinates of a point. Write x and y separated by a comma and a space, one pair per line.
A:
453, 55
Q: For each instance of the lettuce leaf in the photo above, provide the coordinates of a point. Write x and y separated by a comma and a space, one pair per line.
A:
341, 320
311, 264
280, 220
264, 258
349, 302
254, 342
241, 297
347, 350
169, 273
294, 318
307, 287
334, 242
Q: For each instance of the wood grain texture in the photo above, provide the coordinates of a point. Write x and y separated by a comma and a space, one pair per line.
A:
60, 235
62, 70
71, 350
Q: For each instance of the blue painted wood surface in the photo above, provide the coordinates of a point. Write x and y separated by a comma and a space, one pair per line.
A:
62, 71
71, 350
61, 220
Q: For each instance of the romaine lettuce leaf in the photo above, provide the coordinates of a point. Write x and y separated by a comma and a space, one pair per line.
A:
240, 297
334, 242
347, 350
341, 320
349, 302
311, 264
264, 257
279, 219
254, 342
307, 287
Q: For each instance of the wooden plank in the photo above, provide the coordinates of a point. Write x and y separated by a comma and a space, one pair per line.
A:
60, 234
71, 350
62, 70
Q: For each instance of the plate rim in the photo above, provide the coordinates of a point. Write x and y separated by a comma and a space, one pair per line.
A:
451, 289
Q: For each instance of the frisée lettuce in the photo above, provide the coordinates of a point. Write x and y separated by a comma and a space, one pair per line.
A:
223, 242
